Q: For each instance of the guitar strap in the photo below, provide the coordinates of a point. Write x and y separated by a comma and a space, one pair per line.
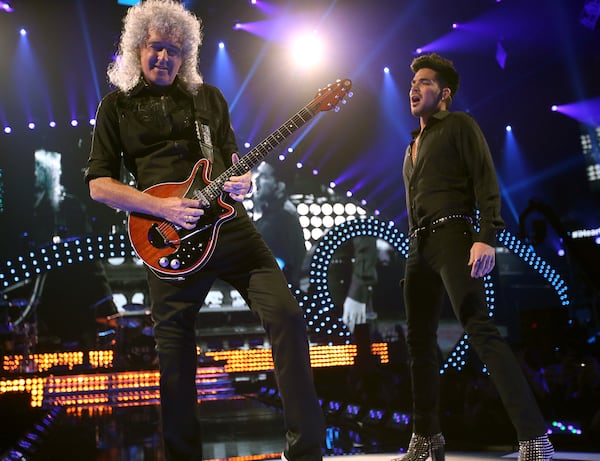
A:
202, 121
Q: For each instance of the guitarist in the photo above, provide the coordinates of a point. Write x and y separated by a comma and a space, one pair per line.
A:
159, 122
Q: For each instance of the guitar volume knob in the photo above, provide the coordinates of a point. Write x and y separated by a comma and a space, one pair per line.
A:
163, 262
175, 264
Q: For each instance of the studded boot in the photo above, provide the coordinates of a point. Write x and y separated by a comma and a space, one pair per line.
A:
422, 447
538, 449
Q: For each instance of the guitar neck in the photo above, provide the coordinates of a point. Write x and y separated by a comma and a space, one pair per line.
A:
256, 155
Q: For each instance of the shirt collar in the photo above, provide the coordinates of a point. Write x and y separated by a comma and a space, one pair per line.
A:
435, 118
175, 87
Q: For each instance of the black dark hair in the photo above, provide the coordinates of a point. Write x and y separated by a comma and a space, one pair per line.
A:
447, 74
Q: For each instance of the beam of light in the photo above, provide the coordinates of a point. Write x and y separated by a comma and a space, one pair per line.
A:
513, 158
305, 131
267, 8
30, 79
224, 72
482, 33
587, 111
392, 128
559, 169
507, 200
269, 30
257, 62
366, 64
92, 103
392, 100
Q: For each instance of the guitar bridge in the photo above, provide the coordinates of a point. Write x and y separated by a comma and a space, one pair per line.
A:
156, 238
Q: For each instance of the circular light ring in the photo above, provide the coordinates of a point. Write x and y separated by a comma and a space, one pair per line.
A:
319, 306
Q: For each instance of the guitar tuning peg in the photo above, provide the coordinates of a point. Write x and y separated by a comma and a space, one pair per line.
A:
350, 94
336, 109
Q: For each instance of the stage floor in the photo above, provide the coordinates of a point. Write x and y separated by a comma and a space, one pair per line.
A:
238, 428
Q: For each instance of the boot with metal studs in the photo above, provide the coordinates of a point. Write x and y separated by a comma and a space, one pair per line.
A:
538, 449
422, 447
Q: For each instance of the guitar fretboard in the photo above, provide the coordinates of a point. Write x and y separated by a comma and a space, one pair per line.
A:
255, 156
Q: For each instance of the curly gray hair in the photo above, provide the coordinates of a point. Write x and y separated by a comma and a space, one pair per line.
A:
166, 17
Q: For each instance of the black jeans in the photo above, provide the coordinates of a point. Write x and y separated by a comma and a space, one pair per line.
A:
437, 261
243, 260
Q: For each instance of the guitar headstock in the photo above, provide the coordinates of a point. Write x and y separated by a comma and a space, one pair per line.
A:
329, 97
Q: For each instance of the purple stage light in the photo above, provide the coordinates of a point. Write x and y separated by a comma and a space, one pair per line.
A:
5, 6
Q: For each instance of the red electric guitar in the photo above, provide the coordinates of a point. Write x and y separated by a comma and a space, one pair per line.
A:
171, 251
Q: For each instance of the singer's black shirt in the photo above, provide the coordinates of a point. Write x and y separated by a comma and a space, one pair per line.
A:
453, 174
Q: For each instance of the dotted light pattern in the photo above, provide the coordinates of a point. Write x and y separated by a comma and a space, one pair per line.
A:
457, 359
318, 306
252, 360
67, 252
114, 389
527, 253
133, 388
236, 360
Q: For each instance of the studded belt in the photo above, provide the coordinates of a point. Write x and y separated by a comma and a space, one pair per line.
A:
420, 231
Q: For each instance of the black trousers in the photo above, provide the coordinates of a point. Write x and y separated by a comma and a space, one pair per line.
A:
243, 260
438, 261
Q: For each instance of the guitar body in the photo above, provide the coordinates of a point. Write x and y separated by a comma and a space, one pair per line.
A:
172, 251
168, 249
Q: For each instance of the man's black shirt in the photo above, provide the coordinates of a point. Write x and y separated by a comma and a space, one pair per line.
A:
453, 175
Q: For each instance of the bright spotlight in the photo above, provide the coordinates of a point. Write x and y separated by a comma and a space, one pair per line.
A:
23, 32
386, 70
74, 122
221, 45
307, 50
5, 6
508, 128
